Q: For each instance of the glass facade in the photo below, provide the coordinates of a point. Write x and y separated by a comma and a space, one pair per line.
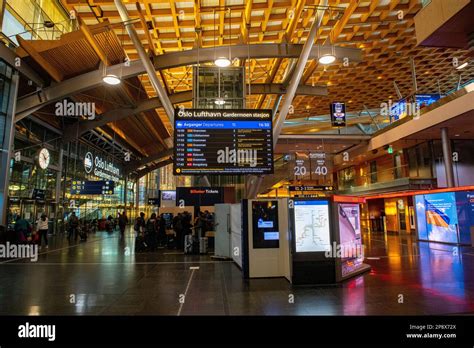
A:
5, 91
90, 206
212, 84
30, 19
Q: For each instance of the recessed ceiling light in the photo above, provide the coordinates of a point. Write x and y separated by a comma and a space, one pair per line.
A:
111, 79
222, 62
456, 135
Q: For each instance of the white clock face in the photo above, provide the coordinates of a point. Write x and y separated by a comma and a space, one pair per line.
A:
44, 158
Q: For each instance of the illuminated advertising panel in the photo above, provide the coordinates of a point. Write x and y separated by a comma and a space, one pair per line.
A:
437, 218
350, 237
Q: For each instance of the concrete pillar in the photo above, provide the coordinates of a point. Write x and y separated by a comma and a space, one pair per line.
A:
137, 197
7, 148
125, 193
57, 197
447, 157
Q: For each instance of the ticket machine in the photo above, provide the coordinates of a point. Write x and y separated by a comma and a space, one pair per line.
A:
265, 238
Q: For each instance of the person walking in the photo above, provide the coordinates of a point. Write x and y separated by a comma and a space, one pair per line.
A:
42, 227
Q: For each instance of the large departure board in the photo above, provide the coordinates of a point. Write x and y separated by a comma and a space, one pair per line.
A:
210, 141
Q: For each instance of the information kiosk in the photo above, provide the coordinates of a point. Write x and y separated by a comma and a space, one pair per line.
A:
326, 241
265, 238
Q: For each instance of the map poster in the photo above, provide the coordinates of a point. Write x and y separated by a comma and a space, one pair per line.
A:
312, 226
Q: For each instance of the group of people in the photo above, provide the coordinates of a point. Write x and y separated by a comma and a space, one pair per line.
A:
150, 234
76, 228
27, 233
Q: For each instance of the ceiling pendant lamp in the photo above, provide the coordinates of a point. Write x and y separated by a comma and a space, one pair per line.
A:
111, 79
327, 58
222, 62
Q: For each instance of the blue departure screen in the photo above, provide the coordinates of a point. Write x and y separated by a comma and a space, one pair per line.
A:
223, 141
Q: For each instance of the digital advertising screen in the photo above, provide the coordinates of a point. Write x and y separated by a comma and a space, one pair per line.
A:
266, 233
338, 114
168, 195
223, 141
311, 226
437, 218
423, 100
465, 210
350, 238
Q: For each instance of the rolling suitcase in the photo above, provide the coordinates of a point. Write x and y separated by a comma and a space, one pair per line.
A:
203, 245
188, 244
140, 244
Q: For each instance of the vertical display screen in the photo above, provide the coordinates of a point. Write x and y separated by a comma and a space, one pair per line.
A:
266, 233
311, 225
350, 237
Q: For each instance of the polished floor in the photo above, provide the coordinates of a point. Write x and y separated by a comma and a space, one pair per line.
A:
104, 277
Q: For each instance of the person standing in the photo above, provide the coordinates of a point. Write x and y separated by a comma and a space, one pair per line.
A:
73, 226
123, 221
150, 234
42, 226
23, 229
178, 230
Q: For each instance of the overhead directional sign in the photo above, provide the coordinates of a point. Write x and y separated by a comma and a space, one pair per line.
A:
92, 187
227, 141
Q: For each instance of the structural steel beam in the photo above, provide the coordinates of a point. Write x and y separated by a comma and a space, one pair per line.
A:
93, 79
255, 51
121, 113
147, 160
9, 56
176, 98
298, 73
72, 86
155, 82
293, 85
147, 170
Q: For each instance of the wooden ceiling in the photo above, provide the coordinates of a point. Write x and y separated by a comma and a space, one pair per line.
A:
83, 51
383, 29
